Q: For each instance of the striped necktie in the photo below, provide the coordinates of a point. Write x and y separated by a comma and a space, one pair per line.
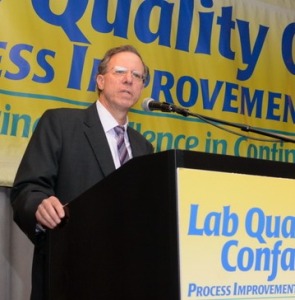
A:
122, 150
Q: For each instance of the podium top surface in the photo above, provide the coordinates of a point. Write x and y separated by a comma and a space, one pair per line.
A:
217, 162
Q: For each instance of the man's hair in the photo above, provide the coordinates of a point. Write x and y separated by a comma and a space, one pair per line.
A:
102, 68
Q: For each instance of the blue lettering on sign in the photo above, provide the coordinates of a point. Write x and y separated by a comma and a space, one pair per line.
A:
38, 65
215, 223
260, 226
247, 259
235, 255
22, 64
251, 47
73, 12
250, 57
287, 47
142, 21
120, 24
19, 61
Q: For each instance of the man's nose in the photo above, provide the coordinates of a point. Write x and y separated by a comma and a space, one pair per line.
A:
129, 76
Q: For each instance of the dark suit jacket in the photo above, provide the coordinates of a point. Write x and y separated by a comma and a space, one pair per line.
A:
67, 154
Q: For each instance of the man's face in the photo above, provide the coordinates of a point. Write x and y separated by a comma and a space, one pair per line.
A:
122, 84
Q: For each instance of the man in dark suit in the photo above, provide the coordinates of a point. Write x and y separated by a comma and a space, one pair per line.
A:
72, 149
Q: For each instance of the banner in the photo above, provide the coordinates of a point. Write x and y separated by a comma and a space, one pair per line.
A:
236, 242
231, 60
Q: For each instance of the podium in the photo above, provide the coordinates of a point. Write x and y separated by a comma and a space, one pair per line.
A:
121, 240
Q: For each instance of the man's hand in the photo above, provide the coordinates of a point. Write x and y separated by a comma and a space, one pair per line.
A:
50, 212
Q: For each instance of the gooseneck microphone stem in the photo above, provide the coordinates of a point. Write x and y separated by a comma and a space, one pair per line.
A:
150, 105
246, 128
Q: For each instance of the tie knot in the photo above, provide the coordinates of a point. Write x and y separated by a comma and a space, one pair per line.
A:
119, 130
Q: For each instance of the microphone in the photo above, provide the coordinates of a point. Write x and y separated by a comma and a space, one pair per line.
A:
149, 104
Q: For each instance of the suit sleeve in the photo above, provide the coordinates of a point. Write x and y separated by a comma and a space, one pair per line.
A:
36, 175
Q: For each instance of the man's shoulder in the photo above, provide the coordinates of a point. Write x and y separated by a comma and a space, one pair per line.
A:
57, 117
66, 113
67, 110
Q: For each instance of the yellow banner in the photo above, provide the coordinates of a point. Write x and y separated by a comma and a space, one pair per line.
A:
236, 242
230, 60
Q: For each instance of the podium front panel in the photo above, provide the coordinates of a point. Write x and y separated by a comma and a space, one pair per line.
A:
236, 235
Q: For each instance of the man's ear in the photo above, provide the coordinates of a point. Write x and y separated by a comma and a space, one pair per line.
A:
100, 82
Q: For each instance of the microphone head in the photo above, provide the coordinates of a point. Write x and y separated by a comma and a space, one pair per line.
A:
145, 104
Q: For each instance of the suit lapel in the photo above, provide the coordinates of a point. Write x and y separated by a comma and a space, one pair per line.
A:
135, 144
98, 141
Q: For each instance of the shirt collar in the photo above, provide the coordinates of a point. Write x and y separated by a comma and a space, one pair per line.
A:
107, 120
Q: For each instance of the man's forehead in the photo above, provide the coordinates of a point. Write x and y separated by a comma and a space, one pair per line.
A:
126, 57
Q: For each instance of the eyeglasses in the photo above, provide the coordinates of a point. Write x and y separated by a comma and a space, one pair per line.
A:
122, 71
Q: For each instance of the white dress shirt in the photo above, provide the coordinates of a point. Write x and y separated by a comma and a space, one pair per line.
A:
108, 123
